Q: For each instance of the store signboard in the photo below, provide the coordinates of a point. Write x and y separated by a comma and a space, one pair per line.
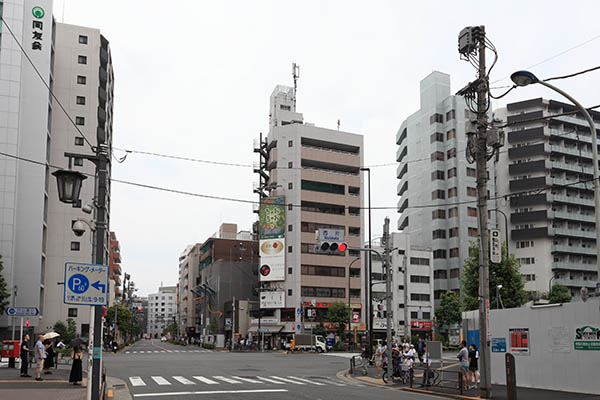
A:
272, 299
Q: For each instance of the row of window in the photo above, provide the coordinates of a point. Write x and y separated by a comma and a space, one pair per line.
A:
526, 260
440, 175
450, 115
452, 232
316, 291
452, 192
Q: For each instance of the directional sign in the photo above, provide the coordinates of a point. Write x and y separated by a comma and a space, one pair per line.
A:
495, 249
22, 311
86, 284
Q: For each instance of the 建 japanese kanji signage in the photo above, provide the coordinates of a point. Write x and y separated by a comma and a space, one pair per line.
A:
86, 284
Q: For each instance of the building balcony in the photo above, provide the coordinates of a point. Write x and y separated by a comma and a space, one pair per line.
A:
572, 232
573, 167
576, 283
563, 248
401, 135
573, 216
401, 153
573, 200
401, 170
571, 151
402, 189
571, 266
572, 183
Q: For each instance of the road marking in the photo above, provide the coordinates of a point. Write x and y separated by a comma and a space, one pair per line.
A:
287, 380
206, 380
333, 382
136, 381
307, 381
210, 392
270, 380
134, 351
141, 352
160, 380
183, 380
247, 379
224, 379
160, 347
126, 352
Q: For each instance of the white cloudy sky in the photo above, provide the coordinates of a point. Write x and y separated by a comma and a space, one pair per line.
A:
193, 78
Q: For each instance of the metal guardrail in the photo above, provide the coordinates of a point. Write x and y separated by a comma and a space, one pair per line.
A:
438, 377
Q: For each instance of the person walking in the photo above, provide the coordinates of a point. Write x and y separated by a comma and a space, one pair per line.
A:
463, 358
49, 361
378, 358
473, 365
420, 348
25, 356
76, 369
39, 355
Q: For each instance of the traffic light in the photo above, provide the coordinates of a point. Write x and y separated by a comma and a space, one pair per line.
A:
331, 241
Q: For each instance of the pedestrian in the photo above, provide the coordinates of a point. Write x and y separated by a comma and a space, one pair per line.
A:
25, 356
463, 358
428, 373
39, 355
473, 365
405, 345
412, 353
49, 361
76, 369
378, 358
420, 347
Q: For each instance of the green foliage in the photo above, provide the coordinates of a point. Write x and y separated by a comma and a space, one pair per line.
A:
505, 273
559, 294
340, 346
61, 329
449, 310
339, 313
209, 346
124, 319
213, 327
173, 329
320, 329
71, 330
4, 292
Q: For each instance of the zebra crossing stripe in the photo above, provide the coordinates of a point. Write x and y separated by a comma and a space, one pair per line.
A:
307, 381
206, 380
287, 380
136, 381
247, 379
183, 380
160, 380
225, 379
270, 380
334, 382
126, 352
141, 352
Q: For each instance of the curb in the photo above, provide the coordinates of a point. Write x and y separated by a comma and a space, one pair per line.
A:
117, 389
438, 394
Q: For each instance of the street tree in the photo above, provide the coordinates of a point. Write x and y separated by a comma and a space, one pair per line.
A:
61, 329
124, 319
505, 273
559, 294
339, 313
449, 311
4, 292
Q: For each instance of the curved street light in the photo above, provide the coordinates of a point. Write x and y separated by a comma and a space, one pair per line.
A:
524, 78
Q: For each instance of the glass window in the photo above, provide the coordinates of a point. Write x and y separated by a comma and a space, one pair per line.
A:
471, 172
450, 115
436, 137
471, 192
471, 211
439, 234
83, 39
81, 59
79, 120
451, 134
438, 214
81, 79
80, 100
72, 312
78, 141
75, 246
438, 194
452, 153
435, 175
437, 156
451, 172
452, 192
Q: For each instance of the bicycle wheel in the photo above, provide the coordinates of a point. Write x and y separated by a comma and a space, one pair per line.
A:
384, 377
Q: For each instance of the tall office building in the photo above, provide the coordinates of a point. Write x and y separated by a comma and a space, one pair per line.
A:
437, 186
548, 172
162, 309
35, 236
316, 173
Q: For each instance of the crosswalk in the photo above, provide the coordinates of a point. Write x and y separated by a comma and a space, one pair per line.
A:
165, 351
137, 381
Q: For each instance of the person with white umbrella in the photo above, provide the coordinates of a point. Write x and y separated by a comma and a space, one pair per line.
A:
50, 354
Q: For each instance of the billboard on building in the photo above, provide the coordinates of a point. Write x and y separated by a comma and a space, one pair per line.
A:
272, 299
272, 260
272, 218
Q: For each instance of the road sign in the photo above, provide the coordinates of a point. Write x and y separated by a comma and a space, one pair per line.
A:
103, 311
22, 311
86, 284
299, 311
495, 247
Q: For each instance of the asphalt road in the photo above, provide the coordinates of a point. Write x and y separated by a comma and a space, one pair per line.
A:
154, 370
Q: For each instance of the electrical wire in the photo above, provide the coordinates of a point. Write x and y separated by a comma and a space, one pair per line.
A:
572, 75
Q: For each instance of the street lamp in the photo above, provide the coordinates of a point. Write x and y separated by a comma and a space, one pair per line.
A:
524, 78
69, 185
368, 295
498, 300
349, 307
505, 225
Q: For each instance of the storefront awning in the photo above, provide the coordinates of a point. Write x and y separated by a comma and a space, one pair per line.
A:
266, 328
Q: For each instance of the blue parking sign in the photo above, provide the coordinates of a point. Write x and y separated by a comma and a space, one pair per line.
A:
86, 284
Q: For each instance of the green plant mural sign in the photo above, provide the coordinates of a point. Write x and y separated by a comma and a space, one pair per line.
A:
272, 218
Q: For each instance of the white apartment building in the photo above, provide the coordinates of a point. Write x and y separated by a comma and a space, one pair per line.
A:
547, 169
35, 228
162, 310
437, 186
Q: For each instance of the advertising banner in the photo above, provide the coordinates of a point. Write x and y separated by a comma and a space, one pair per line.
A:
272, 260
272, 218
519, 341
272, 299
587, 338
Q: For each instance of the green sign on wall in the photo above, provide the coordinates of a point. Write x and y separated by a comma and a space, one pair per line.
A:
272, 218
587, 338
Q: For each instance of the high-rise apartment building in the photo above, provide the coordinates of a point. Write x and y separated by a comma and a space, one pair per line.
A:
317, 173
162, 309
547, 170
35, 228
437, 185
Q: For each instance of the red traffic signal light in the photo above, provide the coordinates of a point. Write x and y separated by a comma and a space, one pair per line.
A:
342, 247
333, 247
27, 323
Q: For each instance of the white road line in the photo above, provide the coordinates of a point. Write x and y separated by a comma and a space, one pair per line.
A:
287, 380
206, 380
225, 379
307, 381
210, 392
333, 382
183, 380
270, 380
126, 352
134, 351
247, 379
141, 351
136, 381
160, 380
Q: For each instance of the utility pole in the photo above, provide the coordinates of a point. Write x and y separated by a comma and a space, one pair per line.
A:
388, 295
406, 313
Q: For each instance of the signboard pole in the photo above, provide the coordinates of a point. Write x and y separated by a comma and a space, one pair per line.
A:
90, 356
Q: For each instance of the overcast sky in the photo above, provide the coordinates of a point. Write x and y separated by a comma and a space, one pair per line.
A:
193, 78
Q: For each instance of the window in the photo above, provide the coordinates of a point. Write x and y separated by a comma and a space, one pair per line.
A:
322, 187
78, 141
290, 143
290, 207
453, 212
437, 156
81, 59
419, 261
438, 194
79, 121
317, 291
290, 185
355, 293
419, 297
77, 204
78, 161
454, 273
471, 172
451, 134
440, 253
323, 270
471, 192
354, 273
436, 137
454, 252
453, 232
83, 39
290, 227
440, 274
290, 164
524, 244
313, 226
81, 79
400, 305
452, 192
436, 118
353, 191
75, 246
327, 208
354, 211
289, 292
526, 260
72, 313
438, 214
80, 100
451, 172
450, 115
354, 231
472, 232
471, 211
289, 249
285, 108
419, 279
451, 153
435, 175
439, 234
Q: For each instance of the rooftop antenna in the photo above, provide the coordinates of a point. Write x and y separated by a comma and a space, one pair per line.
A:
295, 75
338, 124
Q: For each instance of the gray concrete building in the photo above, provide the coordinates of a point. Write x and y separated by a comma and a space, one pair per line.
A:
162, 310
437, 186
